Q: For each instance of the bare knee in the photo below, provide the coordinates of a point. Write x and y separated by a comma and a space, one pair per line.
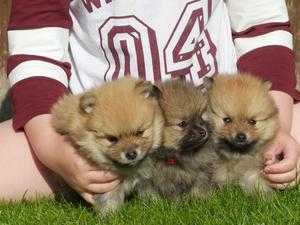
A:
22, 175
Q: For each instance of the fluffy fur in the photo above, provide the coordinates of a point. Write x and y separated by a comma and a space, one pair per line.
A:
183, 165
244, 121
115, 126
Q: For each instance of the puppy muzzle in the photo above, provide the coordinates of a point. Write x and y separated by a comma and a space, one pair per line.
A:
194, 139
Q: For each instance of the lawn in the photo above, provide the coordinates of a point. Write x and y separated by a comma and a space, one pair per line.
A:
228, 207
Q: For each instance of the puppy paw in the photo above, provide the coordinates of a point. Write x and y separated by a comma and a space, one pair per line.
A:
202, 190
200, 193
254, 183
222, 177
108, 203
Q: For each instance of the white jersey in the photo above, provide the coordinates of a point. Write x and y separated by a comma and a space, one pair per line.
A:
154, 40
62, 45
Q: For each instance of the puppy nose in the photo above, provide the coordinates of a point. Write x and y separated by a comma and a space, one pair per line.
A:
131, 155
199, 131
202, 133
241, 137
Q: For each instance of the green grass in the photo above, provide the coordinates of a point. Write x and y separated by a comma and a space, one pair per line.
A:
227, 207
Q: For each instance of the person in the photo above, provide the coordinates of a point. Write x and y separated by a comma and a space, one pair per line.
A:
60, 46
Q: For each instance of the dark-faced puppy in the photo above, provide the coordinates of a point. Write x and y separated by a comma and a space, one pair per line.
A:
115, 126
244, 121
183, 163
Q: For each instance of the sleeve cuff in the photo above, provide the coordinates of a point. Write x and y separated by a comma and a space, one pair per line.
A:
34, 96
273, 63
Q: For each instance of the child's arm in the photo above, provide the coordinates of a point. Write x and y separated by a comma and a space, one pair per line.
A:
38, 67
38, 71
283, 173
54, 151
263, 41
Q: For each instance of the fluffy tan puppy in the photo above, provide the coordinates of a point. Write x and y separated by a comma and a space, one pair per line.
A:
183, 164
115, 126
244, 121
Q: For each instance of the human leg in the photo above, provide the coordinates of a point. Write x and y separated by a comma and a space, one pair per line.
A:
22, 175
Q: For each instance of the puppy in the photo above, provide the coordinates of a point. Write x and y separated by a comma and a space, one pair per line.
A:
244, 120
115, 126
183, 164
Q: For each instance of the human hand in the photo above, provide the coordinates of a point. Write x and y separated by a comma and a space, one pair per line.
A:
81, 175
55, 152
282, 161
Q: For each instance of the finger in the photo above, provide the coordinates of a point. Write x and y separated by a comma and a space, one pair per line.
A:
102, 176
282, 177
269, 162
282, 166
282, 186
271, 153
287, 164
279, 186
103, 187
88, 197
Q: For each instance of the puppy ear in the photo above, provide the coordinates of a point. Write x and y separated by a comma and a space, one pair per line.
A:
87, 103
148, 89
206, 85
267, 84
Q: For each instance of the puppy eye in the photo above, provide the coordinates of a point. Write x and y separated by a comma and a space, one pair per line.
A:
182, 124
92, 130
227, 120
252, 122
112, 139
139, 133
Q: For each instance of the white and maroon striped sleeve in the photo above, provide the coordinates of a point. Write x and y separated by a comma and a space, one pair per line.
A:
38, 68
263, 41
